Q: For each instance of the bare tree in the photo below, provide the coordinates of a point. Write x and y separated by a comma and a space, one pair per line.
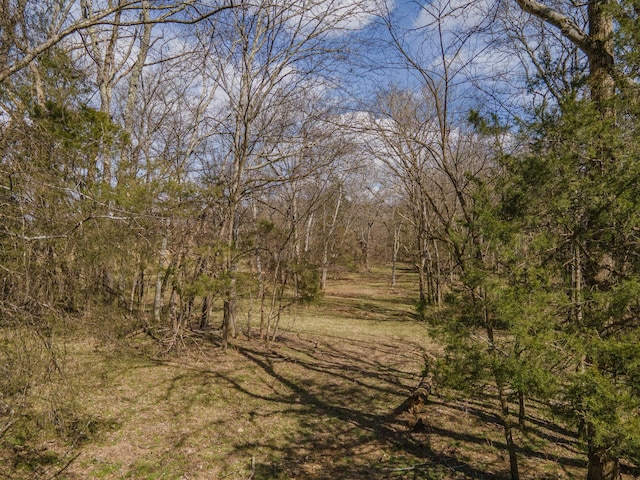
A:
271, 55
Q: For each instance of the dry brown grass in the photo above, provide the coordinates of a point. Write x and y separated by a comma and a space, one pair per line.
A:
317, 404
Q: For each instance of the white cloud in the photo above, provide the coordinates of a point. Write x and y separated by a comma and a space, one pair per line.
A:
454, 15
335, 16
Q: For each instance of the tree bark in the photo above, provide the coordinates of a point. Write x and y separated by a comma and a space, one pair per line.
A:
508, 433
502, 397
157, 302
600, 53
597, 43
134, 87
396, 246
204, 316
327, 241
602, 465
522, 416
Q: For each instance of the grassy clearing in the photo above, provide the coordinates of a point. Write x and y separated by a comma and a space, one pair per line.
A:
317, 404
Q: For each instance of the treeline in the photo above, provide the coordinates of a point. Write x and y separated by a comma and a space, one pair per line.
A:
196, 167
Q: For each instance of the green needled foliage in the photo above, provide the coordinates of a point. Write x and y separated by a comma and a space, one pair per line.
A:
549, 300
498, 336
575, 196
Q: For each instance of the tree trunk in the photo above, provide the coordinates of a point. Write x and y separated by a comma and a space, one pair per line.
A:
142, 290
226, 322
396, 247
136, 72
602, 465
249, 316
324, 268
229, 306
601, 61
508, 434
204, 317
430, 275
423, 274
263, 317
105, 76
522, 416
174, 316
577, 284
502, 397
327, 241
307, 236
127, 153
597, 43
422, 284
259, 276
157, 302
296, 242
437, 275
38, 84
132, 295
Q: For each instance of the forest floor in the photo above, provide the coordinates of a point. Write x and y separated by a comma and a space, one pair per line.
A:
320, 403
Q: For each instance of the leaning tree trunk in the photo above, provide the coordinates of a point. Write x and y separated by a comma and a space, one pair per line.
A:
597, 43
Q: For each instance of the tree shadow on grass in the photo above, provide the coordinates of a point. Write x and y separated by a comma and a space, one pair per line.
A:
538, 427
338, 398
343, 410
360, 307
339, 436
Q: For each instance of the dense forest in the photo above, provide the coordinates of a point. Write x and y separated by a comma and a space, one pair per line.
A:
197, 168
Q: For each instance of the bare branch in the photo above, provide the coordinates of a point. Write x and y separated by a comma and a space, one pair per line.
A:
566, 25
102, 17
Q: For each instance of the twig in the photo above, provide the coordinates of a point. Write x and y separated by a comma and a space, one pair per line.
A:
453, 468
251, 475
6, 427
65, 467
229, 474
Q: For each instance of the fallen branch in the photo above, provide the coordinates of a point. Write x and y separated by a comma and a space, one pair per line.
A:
65, 467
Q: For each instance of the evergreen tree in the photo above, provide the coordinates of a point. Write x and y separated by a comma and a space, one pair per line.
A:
496, 327
577, 188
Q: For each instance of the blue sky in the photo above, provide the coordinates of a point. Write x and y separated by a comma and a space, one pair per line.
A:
435, 34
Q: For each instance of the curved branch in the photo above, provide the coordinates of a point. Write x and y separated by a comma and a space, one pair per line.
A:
569, 29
